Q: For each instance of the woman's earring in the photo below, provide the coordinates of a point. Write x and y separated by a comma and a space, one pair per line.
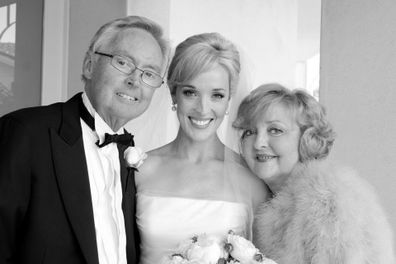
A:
174, 107
226, 113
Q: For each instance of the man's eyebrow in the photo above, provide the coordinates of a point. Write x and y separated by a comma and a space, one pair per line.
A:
155, 68
149, 66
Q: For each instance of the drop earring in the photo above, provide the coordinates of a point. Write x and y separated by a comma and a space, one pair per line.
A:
174, 107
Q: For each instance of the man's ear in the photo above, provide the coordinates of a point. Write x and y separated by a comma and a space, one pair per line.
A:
87, 66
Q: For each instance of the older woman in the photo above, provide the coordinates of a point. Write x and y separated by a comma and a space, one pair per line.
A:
195, 184
318, 213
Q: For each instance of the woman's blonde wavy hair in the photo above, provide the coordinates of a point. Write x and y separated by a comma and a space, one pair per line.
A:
317, 135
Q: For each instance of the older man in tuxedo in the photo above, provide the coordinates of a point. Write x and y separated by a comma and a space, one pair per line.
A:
66, 195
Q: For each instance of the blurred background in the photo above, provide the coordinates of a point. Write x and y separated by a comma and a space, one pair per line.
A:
341, 51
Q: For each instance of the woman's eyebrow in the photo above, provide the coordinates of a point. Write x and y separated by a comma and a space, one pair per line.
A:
219, 89
187, 86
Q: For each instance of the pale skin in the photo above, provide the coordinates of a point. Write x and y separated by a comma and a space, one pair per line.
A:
116, 96
197, 164
270, 148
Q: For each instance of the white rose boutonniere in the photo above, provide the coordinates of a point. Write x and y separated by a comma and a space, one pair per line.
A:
134, 157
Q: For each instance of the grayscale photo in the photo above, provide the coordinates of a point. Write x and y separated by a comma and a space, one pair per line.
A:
197, 132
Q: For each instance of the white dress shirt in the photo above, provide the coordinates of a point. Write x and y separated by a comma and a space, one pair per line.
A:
106, 191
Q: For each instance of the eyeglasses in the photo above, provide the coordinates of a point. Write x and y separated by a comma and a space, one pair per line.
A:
125, 65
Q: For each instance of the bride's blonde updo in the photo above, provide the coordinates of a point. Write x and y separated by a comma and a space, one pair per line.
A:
317, 135
199, 53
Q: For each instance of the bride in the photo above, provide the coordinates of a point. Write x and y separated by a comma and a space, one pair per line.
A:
195, 184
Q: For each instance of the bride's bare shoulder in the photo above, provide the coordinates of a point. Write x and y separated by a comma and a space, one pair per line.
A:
154, 173
155, 159
235, 160
162, 151
240, 172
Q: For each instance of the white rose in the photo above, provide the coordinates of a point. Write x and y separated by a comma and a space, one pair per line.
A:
134, 156
206, 249
241, 249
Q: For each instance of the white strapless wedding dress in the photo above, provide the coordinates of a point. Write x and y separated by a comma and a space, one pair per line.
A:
164, 222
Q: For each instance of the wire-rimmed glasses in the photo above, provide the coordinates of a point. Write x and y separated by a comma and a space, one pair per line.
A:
126, 65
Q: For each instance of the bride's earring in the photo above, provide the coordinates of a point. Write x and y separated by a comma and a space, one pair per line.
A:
174, 107
226, 113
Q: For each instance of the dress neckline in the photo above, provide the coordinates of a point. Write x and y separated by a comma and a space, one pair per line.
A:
165, 195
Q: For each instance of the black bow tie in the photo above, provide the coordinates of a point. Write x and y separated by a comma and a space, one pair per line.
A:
125, 139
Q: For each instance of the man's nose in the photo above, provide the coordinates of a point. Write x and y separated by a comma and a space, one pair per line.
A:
133, 78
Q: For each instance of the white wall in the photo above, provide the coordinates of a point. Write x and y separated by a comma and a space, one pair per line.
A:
358, 86
157, 10
264, 31
55, 51
308, 34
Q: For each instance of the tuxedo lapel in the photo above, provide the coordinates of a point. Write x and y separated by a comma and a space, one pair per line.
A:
72, 175
129, 207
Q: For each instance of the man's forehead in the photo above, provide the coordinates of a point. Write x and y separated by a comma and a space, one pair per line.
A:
139, 45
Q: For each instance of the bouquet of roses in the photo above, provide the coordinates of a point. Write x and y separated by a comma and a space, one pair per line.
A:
205, 249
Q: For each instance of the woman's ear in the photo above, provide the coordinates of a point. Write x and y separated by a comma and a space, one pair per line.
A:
87, 66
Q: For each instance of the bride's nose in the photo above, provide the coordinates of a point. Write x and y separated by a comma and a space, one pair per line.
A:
202, 105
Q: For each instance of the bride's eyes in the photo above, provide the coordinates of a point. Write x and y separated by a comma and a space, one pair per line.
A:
189, 92
218, 96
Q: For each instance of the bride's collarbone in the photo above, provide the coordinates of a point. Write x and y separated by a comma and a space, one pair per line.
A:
189, 182
160, 171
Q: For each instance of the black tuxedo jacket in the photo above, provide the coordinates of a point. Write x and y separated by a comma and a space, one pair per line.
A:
46, 212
